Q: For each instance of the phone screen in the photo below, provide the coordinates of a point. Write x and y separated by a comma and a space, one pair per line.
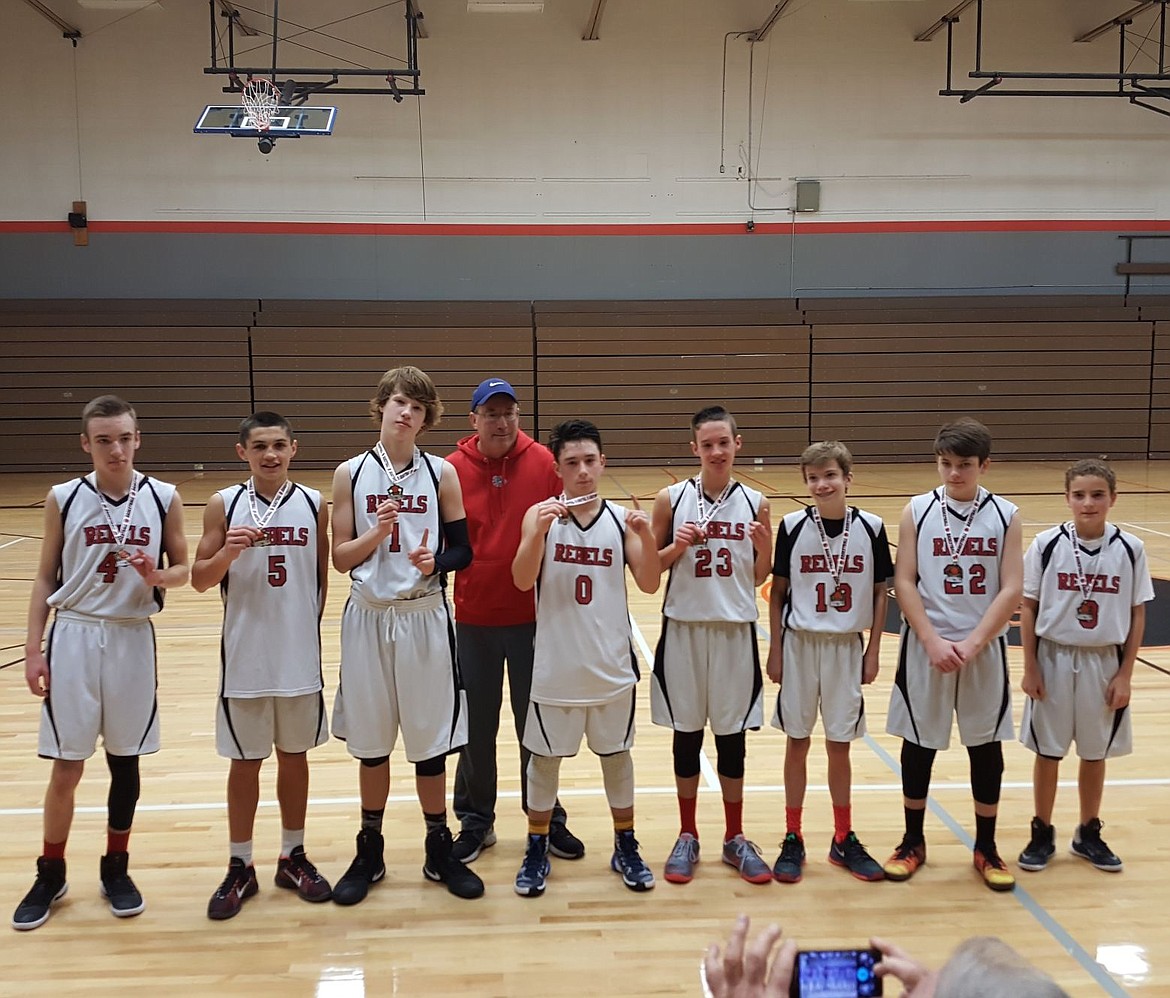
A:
836, 973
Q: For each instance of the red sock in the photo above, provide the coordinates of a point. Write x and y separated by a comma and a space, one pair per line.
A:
733, 816
686, 815
842, 822
792, 817
117, 841
54, 850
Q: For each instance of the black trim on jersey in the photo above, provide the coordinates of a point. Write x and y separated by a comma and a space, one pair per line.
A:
154, 703
861, 713
49, 692
456, 677
659, 670
1005, 703
225, 704
543, 732
901, 681
633, 706
757, 681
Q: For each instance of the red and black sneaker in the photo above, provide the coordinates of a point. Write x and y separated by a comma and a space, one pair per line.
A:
294, 872
239, 885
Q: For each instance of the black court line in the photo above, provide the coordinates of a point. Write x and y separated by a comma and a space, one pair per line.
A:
13, 662
1157, 668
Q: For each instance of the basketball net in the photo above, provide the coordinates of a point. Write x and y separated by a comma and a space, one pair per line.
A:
261, 101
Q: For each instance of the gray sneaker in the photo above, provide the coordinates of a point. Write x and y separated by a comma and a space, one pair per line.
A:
680, 865
745, 857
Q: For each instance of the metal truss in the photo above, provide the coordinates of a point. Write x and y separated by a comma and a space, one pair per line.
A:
1149, 89
298, 83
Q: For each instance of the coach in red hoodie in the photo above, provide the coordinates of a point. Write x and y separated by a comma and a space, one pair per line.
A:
503, 471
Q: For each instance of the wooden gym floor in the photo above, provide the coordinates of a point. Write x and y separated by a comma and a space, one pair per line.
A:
1095, 933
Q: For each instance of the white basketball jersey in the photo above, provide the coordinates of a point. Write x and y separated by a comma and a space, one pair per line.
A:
813, 601
1114, 567
584, 650
957, 599
272, 600
715, 580
93, 579
387, 574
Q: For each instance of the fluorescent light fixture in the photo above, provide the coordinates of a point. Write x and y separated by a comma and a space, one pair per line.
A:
505, 6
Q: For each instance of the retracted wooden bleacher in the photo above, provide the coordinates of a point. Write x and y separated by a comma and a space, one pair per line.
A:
183, 364
318, 363
1052, 377
641, 369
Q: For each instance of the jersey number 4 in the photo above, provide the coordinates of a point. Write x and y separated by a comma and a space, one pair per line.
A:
108, 568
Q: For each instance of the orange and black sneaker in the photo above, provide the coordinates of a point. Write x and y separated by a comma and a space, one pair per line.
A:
993, 869
906, 860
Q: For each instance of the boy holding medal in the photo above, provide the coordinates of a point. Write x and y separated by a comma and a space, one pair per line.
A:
1086, 583
829, 584
107, 536
584, 676
958, 578
398, 528
265, 543
714, 534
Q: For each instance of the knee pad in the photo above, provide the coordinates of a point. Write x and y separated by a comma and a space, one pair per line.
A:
382, 760
986, 771
917, 762
431, 767
124, 789
543, 777
687, 746
617, 772
731, 751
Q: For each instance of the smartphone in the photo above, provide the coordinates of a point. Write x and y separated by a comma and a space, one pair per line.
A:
836, 973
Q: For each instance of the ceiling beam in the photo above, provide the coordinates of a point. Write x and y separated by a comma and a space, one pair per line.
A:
762, 31
67, 29
1113, 22
419, 19
593, 27
949, 17
230, 11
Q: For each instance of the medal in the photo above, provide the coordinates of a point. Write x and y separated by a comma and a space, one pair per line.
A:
396, 478
122, 531
261, 520
705, 513
1088, 612
575, 501
839, 597
954, 571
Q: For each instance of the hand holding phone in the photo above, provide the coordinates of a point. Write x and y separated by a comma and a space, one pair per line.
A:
836, 973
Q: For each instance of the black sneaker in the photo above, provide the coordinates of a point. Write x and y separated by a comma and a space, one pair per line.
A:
37, 906
239, 885
851, 855
471, 842
1040, 850
118, 888
563, 843
1088, 844
295, 872
790, 863
367, 868
627, 861
442, 866
535, 868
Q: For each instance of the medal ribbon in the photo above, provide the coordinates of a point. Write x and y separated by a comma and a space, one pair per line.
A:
576, 500
836, 564
706, 515
120, 532
396, 477
261, 521
957, 549
1084, 583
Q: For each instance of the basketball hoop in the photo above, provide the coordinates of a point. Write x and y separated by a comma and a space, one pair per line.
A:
261, 100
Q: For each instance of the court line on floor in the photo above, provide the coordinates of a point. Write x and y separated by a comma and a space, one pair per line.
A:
1034, 908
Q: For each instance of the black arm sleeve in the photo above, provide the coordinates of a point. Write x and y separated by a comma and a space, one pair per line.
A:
456, 553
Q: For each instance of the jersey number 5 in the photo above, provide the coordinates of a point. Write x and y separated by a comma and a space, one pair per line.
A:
277, 573
705, 556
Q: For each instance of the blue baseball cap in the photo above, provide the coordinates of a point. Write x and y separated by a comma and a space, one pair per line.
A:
488, 388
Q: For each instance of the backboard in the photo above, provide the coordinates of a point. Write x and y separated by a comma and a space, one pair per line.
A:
287, 122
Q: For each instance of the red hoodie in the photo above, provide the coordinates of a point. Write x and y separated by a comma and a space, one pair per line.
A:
496, 495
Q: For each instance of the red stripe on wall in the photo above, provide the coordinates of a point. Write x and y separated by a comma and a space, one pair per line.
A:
664, 229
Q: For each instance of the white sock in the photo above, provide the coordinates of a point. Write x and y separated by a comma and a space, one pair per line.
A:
241, 850
289, 839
